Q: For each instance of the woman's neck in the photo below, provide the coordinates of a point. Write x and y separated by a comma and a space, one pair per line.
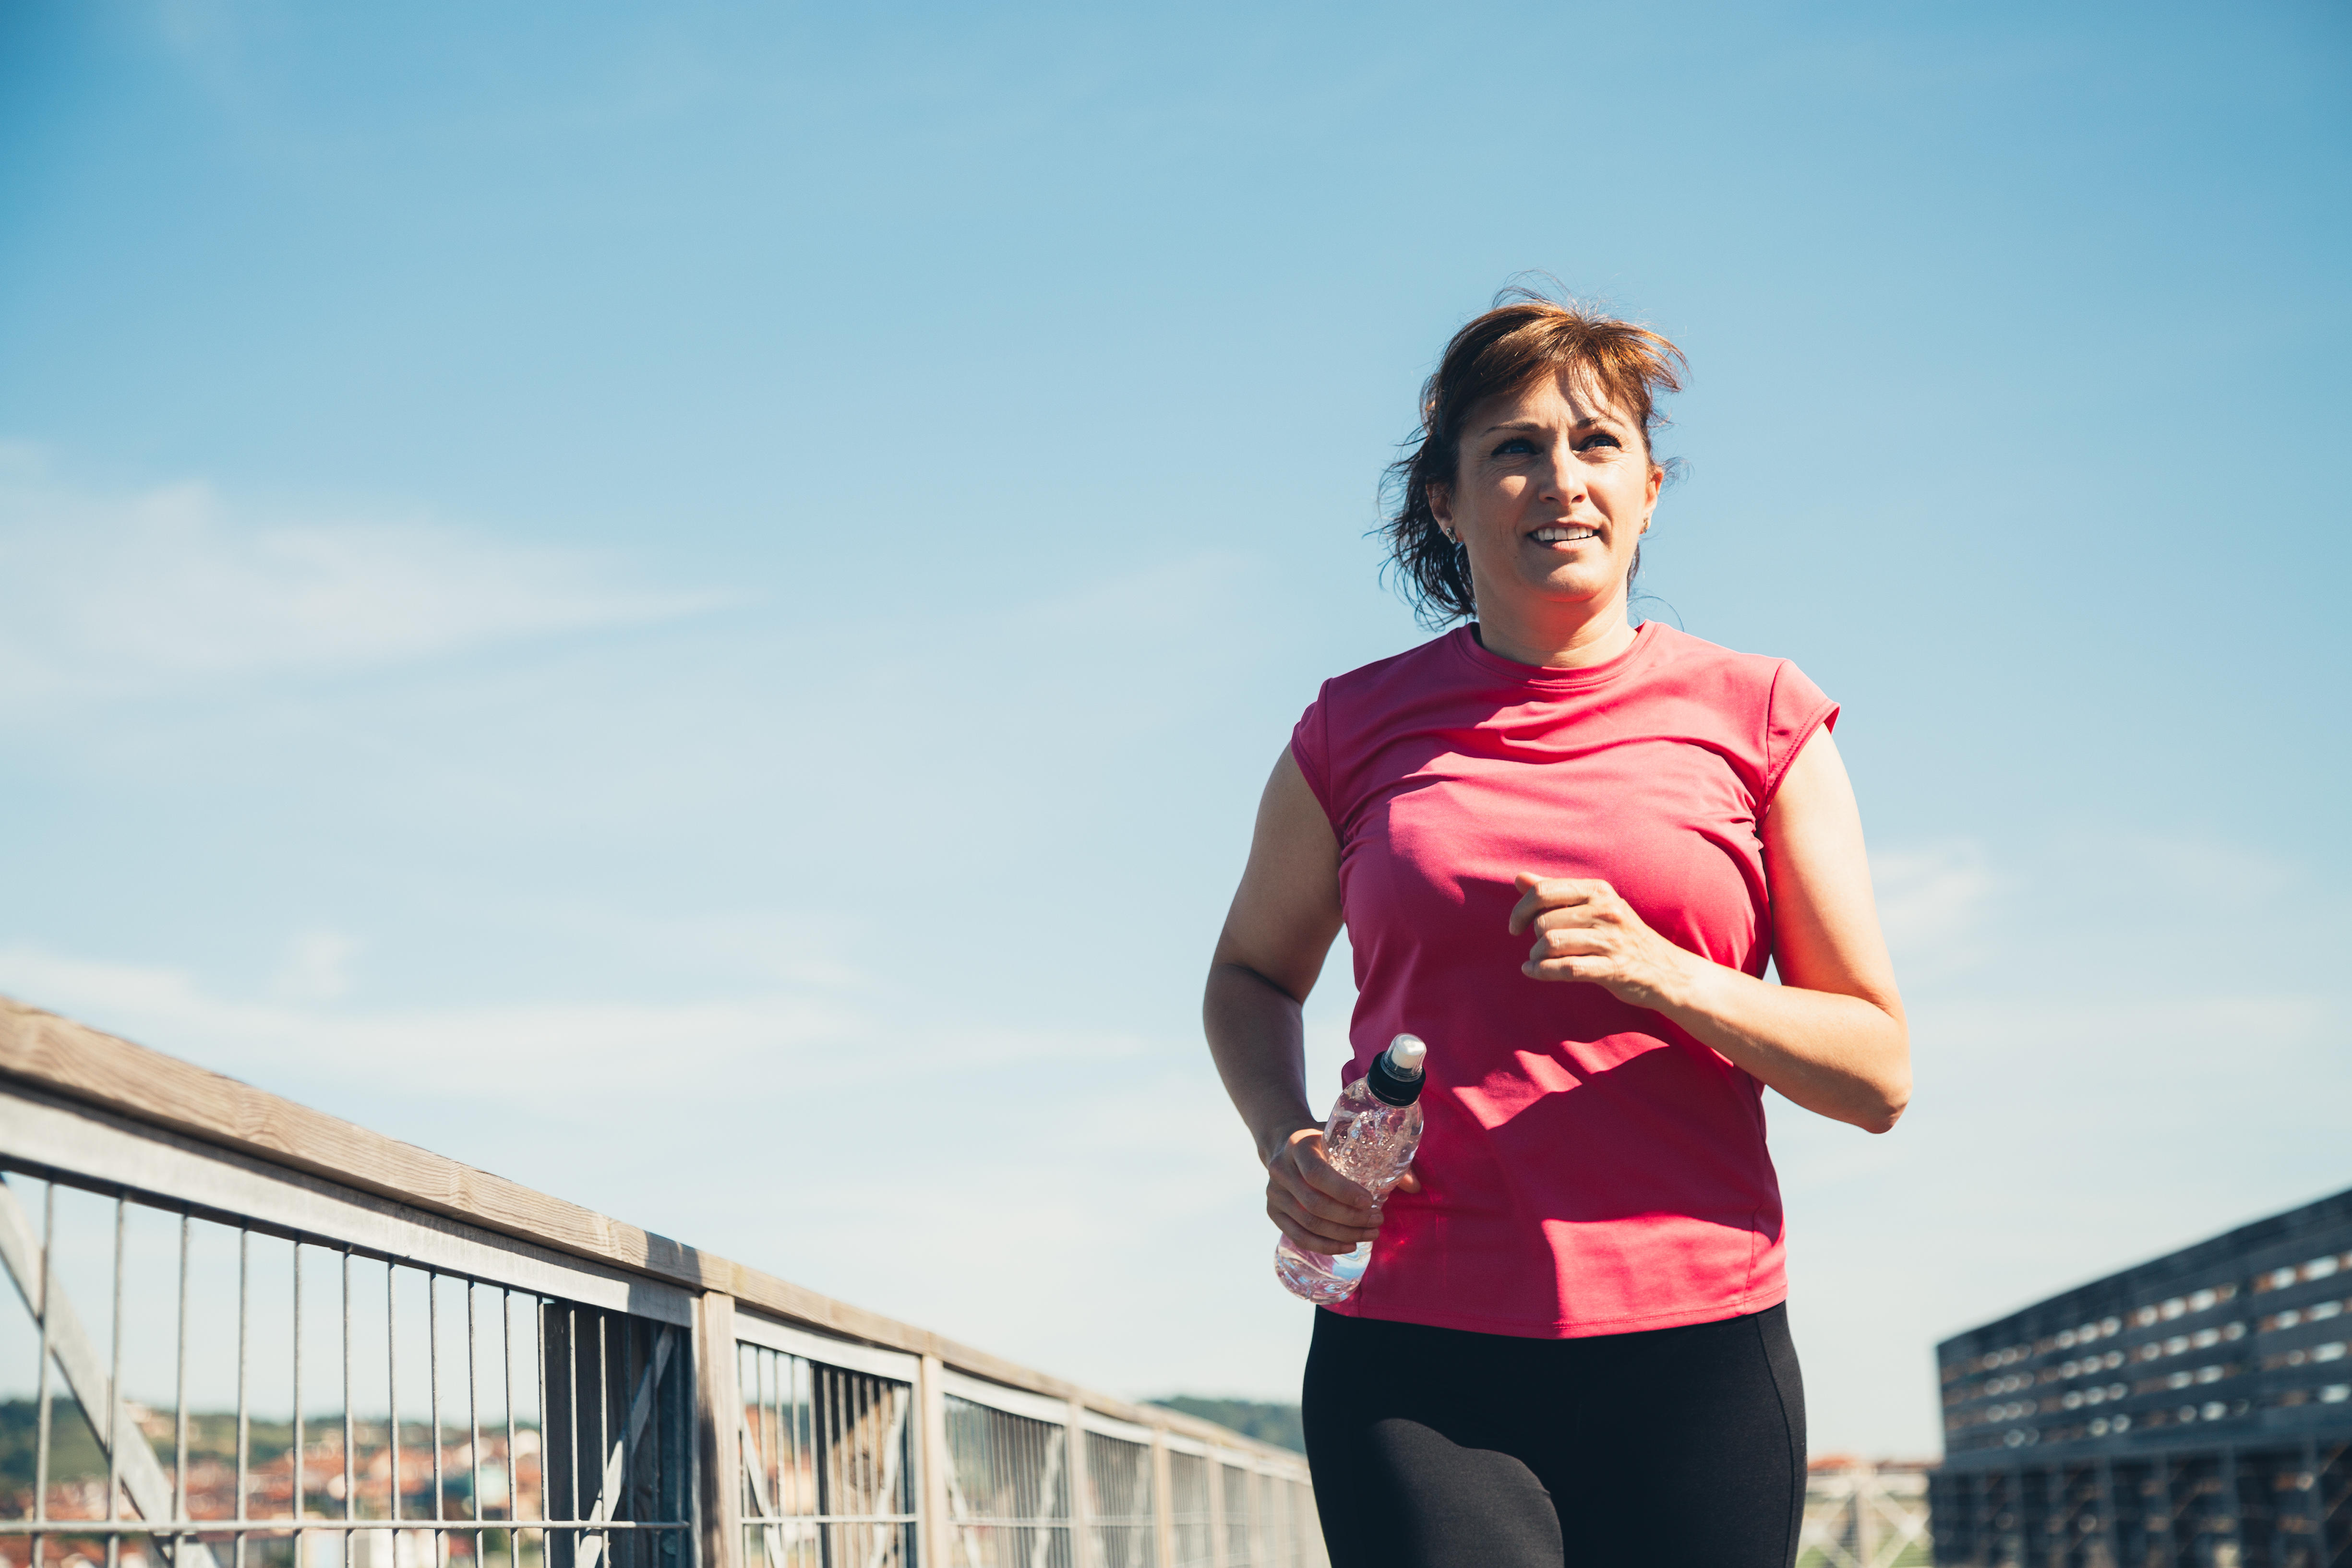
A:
1557, 636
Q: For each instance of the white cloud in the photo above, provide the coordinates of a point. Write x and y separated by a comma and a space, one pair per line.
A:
109, 594
317, 966
1931, 900
570, 1049
567, 1050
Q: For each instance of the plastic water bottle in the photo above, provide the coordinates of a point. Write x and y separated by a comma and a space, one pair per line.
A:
1375, 1128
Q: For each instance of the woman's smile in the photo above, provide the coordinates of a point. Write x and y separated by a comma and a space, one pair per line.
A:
1564, 534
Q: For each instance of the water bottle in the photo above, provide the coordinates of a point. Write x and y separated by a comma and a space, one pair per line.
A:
1375, 1128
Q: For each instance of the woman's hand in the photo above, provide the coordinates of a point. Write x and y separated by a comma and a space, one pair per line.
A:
1830, 1036
1313, 1204
1584, 931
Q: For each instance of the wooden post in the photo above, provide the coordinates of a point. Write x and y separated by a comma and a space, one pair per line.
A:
718, 1422
1216, 1468
1163, 1501
1082, 1491
938, 1526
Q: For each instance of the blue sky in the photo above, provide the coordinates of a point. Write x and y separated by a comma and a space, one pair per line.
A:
689, 604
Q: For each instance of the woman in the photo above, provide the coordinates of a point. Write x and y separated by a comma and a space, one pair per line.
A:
1564, 849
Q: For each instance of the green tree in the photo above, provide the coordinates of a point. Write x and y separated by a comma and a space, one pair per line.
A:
1276, 1424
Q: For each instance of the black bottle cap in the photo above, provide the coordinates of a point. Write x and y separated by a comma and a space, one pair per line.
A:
1396, 1076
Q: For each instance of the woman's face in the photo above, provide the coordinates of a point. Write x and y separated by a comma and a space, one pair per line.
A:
1552, 488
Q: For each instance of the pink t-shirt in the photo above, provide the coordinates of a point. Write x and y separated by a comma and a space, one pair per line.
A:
1587, 1166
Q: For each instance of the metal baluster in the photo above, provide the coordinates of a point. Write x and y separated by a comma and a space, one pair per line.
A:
433, 1403
180, 1402
613, 1505
768, 1451
768, 1401
114, 1406
746, 1510
796, 1402
827, 1390
796, 1407
41, 1412
243, 1338
603, 1435
474, 1424
827, 1423
392, 1393
351, 1489
301, 1540
795, 1438
514, 1467
546, 1487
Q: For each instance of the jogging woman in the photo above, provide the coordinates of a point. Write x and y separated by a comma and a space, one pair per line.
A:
1564, 849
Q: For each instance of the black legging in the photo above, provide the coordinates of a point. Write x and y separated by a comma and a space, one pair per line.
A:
1680, 1447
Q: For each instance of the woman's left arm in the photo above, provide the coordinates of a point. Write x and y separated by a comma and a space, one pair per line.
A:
1831, 1036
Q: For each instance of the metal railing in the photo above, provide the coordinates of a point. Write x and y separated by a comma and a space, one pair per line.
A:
1118, 1476
253, 1336
1192, 1518
1861, 1515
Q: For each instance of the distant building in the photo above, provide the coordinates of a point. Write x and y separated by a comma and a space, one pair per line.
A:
2194, 1410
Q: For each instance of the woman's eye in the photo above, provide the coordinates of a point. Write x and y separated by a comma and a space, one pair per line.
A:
1517, 445
1598, 438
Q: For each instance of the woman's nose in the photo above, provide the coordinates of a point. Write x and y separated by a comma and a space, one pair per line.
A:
1561, 478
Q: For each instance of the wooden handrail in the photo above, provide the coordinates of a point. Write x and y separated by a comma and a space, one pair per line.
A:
79, 1063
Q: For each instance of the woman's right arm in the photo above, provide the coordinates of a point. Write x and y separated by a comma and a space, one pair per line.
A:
1276, 937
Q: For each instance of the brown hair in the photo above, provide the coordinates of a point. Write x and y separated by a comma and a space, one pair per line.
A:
1525, 339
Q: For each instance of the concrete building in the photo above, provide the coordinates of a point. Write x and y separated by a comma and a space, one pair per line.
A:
2196, 1409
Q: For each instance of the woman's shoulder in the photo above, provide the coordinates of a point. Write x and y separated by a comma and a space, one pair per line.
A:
1415, 668
1353, 711
1696, 664
1763, 702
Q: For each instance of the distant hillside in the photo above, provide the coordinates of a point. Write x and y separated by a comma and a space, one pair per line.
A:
1267, 1423
74, 1453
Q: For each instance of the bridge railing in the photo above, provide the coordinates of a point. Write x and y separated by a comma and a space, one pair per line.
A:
257, 1336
